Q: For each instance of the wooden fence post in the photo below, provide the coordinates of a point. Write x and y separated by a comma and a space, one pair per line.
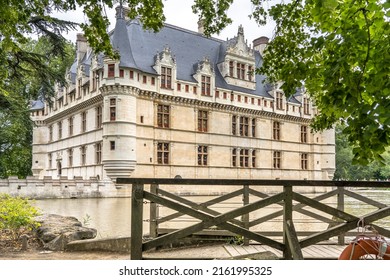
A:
137, 194
153, 225
341, 207
245, 217
287, 215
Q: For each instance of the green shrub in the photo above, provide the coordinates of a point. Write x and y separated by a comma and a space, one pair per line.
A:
17, 215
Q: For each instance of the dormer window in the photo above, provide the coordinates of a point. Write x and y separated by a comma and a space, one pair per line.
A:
231, 69
111, 71
206, 85
166, 77
241, 71
279, 101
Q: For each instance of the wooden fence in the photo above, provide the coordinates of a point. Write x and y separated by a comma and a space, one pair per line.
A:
339, 221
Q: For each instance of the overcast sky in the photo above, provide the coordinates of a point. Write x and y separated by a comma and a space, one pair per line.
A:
179, 13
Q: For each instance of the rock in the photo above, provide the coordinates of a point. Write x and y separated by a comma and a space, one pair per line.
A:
56, 231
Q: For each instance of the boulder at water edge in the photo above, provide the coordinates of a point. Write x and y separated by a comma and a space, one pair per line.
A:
56, 231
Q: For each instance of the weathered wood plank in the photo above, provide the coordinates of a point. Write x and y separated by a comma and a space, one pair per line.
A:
153, 225
293, 243
365, 199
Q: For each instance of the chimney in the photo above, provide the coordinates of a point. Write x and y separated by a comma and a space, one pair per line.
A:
81, 46
201, 26
260, 44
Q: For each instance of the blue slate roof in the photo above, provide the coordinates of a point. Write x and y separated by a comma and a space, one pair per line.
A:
138, 48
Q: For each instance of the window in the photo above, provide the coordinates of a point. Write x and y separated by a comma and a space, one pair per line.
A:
232, 97
178, 87
163, 112
50, 133
241, 71
112, 109
70, 126
250, 73
131, 74
217, 94
276, 130
162, 153
59, 130
234, 157
83, 121
202, 120
70, 157
306, 106
254, 158
187, 88
121, 73
111, 70
244, 126
244, 158
239, 98
153, 81
50, 160
277, 159
112, 145
144, 79
205, 85
246, 99
202, 155
83, 155
166, 77
304, 134
253, 127
304, 161
234, 125
279, 101
194, 90
79, 87
231, 68
98, 152
224, 95
95, 77
99, 116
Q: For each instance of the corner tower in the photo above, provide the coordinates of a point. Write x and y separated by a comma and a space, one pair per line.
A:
119, 103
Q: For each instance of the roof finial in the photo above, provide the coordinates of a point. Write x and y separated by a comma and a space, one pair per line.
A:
120, 10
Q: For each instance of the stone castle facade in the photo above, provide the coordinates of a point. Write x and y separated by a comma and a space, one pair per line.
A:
176, 104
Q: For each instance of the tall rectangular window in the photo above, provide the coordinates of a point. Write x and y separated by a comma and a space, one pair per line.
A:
253, 158
95, 77
304, 161
70, 157
178, 87
166, 77
276, 130
306, 106
244, 158
70, 126
99, 116
206, 85
83, 121
253, 127
112, 145
234, 125
244, 126
121, 73
231, 69
50, 133
250, 73
279, 101
202, 120
83, 151
304, 134
241, 71
98, 152
234, 157
131, 74
202, 155
112, 109
277, 158
50, 160
59, 130
163, 115
162, 153
111, 70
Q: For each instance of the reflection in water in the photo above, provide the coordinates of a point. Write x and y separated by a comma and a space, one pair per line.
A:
111, 216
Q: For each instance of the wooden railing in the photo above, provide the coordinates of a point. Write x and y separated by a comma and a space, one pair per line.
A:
339, 222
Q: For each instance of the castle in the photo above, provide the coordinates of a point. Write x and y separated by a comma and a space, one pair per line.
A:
177, 103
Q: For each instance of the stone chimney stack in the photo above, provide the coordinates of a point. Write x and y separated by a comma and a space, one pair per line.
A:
201, 26
260, 44
81, 46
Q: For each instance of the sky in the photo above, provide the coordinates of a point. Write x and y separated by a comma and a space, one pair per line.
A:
179, 13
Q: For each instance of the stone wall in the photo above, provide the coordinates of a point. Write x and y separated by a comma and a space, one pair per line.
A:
32, 187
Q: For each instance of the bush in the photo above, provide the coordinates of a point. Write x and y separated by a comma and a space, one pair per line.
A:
17, 215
